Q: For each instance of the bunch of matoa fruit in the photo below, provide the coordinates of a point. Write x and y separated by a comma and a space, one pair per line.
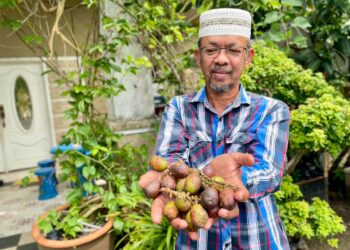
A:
197, 196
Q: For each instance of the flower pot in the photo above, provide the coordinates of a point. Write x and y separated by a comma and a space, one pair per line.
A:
100, 239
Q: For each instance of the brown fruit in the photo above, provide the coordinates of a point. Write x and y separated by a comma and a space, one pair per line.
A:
227, 199
180, 185
168, 182
209, 171
152, 189
170, 211
218, 179
179, 169
213, 213
190, 226
199, 217
209, 198
192, 183
183, 204
158, 163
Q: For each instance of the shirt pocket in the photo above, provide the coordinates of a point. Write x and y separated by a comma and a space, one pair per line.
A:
239, 142
199, 145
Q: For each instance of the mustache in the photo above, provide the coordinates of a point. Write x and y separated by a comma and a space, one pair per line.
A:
220, 69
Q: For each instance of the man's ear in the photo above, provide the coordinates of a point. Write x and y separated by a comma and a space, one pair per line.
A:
249, 58
196, 57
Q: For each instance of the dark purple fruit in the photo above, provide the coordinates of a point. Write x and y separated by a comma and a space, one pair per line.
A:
209, 198
227, 199
170, 211
158, 163
183, 204
152, 189
192, 183
179, 169
199, 217
168, 182
213, 213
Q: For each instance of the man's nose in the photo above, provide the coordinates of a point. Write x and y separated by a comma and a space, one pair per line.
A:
222, 57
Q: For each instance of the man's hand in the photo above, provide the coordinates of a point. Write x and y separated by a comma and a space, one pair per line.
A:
161, 200
228, 166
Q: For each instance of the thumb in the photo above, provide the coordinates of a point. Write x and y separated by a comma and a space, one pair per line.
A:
242, 159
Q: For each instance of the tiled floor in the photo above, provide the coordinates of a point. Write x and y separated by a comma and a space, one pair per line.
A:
22, 241
19, 207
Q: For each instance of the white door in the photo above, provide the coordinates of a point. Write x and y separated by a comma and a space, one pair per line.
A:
26, 137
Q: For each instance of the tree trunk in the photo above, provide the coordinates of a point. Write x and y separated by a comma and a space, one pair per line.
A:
292, 163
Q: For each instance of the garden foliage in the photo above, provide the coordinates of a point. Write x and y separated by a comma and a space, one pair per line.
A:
302, 219
319, 117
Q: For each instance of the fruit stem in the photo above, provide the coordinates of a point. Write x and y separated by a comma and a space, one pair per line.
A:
207, 181
182, 195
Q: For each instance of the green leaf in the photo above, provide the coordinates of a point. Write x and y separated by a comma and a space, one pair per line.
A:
199, 3
179, 7
296, 3
13, 24
33, 39
301, 22
272, 17
300, 41
188, 7
94, 151
86, 172
8, 3
79, 162
118, 224
275, 36
45, 226
88, 187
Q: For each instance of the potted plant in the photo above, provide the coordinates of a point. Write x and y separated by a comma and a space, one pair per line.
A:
99, 238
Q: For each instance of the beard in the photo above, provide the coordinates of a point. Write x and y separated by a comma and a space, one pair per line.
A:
221, 89
217, 87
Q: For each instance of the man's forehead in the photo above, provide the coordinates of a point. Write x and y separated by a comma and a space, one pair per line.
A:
224, 39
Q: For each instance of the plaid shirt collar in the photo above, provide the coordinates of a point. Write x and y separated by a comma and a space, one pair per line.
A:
243, 98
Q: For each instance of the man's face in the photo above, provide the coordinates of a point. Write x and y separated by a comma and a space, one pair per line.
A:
222, 68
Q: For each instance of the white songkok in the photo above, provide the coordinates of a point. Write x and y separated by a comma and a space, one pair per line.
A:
225, 22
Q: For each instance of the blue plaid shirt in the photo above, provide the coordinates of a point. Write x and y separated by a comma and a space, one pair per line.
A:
191, 130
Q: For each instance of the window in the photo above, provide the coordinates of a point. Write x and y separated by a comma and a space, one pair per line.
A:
23, 103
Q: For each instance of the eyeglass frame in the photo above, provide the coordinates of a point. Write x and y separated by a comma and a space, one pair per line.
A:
216, 54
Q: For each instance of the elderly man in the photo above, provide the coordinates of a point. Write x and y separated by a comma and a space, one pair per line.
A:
241, 136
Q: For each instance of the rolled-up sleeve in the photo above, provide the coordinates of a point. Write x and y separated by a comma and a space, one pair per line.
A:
269, 152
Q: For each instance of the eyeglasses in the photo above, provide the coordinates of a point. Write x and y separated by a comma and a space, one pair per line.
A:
232, 51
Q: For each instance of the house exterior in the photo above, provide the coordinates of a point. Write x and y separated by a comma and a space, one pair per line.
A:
32, 107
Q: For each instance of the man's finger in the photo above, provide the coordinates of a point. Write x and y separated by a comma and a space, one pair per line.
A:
209, 171
210, 222
157, 210
179, 223
242, 194
242, 159
228, 214
193, 235
149, 177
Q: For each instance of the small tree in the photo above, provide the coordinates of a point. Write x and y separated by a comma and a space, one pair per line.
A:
320, 114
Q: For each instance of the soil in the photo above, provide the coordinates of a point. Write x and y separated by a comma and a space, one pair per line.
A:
343, 209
